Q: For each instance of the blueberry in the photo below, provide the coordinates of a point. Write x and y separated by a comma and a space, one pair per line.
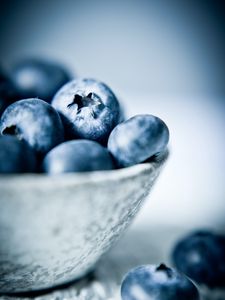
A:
39, 78
34, 121
89, 107
201, 256
77, 156
8, 92
16, 156
138, 139
150, 282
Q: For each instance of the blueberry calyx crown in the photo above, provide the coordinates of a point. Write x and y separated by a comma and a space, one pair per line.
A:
91, 101
12, 130
164, 268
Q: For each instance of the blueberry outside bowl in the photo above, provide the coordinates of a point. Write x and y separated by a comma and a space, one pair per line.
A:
53, 229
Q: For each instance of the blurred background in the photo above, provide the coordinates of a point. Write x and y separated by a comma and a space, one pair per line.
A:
165, 58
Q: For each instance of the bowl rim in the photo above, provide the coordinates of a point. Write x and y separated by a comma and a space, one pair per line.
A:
82, 177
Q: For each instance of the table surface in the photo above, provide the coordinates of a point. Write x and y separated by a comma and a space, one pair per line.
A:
139, 245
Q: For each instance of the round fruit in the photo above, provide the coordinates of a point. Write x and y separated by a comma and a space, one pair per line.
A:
151, 282
201, 256
34, 121
8, 92
138, 139
39, 78
78, 156
90, 109
16, 156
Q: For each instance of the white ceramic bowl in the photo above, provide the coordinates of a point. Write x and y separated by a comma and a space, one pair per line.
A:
53, 229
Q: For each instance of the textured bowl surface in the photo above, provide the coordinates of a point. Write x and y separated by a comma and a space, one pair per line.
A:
54, 229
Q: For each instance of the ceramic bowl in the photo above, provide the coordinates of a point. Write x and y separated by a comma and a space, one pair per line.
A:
53, 229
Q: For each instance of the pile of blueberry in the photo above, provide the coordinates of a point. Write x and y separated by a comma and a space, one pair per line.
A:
54, 124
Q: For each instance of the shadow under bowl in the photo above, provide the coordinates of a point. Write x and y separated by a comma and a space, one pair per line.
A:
53, 229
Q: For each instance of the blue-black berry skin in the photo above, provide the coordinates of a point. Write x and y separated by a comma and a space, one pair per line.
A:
77, 156
34, 121
38, 78
16, 156
201, 256
8, 92
90, 109
150, 282
138, 139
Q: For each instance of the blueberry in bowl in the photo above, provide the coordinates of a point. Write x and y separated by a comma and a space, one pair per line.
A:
138, 139
89, 108
16, 156
34, 121
8, 91
78, 156
37, 77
